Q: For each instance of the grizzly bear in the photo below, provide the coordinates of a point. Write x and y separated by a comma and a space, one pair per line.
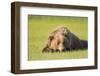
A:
61, 39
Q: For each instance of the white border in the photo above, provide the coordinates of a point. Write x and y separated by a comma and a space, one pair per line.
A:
25, 64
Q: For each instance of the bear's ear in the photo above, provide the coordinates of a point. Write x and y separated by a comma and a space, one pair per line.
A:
51, 38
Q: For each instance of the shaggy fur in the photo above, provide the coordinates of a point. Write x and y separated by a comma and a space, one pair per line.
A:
61, 39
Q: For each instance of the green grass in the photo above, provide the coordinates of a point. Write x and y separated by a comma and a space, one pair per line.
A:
39, 27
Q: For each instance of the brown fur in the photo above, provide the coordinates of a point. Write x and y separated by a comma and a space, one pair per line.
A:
61, 39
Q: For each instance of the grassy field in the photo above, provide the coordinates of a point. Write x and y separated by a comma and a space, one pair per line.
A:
39, 27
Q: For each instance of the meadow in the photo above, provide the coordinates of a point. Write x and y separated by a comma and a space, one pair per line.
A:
39, 28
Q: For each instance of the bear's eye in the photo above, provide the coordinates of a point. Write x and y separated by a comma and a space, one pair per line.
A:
58, 42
